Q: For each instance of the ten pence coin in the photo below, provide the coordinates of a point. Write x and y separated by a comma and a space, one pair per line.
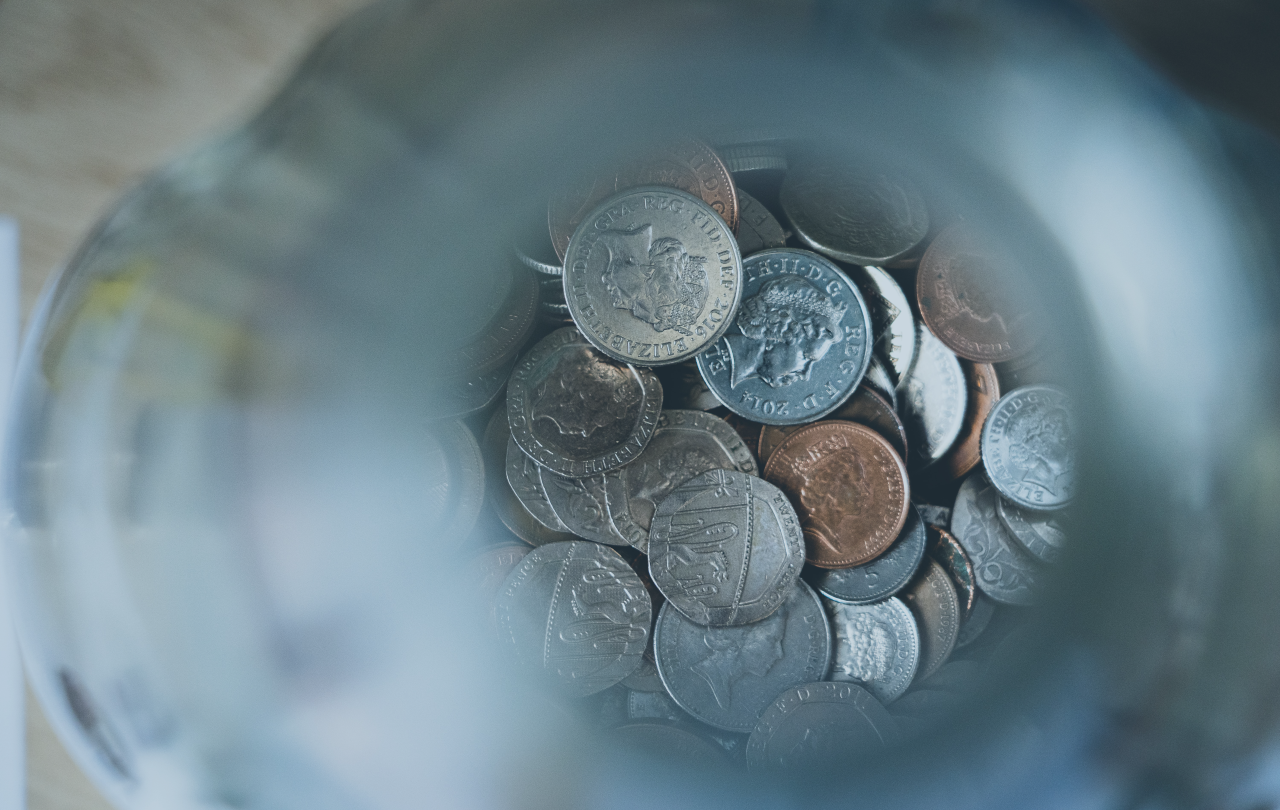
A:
577, 613
882, 577
1002, 570
820, 726
983, 391
1027, 447
849, 487
576, 411
933, 601
876, 645
725, 548
653, 276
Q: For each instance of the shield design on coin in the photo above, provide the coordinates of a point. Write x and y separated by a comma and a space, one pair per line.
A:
603, 615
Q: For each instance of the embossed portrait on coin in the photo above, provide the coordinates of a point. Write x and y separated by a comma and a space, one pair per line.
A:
585, 404
656, 280
783, 330
975, 287
832, 495
1040, 448
870, 648
729, 659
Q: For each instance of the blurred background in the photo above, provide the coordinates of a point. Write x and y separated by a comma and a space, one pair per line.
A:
94, 94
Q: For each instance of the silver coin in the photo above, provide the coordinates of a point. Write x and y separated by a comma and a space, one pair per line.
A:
752, 157
577, 412
1027, 448
882, 577
936, 607
454, 397
1002, 569
892, 323
727, 676
577, 613
933, 401
877, 646
820, 725
977, 621
799, 346
546, 268
684, 445
664, 740
935, 515
525, 477
653, 276
580, 504
757, 228
878, 379
642, 705
1041, 533
725, 548
454, 480
863, 217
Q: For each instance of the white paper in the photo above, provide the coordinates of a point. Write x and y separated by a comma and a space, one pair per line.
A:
12, 715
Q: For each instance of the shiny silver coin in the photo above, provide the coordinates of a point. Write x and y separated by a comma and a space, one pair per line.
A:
725, 548
799, 346
935, 515
820, 726
753, 157
664, 740
1027, 447
933, 401
454, 480
863, 217
525, 477
727, 676
653, 276
878, 380
684, 445
1002, 569
936, 607
1041, 533
577, 614
546, 268
876, 646
642, 705
882, 577
892, 323
577, 412
580, 504
977, 621
757, 228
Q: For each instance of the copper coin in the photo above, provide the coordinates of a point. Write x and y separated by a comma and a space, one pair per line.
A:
967, 290
865, 407
946, 549
984, 392
849, 488
689, 165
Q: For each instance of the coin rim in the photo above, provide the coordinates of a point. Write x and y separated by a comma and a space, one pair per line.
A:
985, 444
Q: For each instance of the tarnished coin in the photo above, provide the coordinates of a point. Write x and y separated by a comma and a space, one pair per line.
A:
581, 504
578, 412
757, 228
689, 165
725, 548
970, 298
489, 569
950, 555
665, 740
882, 577
934, 515
820, 725
727, 676
876, 646
684, 445
892, 323
849, 487
933, 402
500, 492
642, 705
1027, 447
1041, 533
653, 276
1001, 568
799, 344
977, 621
577, 613
453, 486
865, 407
933, 601
983, 390
524, 476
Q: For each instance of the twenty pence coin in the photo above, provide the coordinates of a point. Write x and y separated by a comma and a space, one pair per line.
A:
500, 491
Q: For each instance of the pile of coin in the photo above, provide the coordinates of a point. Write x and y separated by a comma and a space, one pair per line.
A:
771, 508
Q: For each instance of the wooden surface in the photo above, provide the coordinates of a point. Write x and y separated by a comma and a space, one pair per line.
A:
93, 95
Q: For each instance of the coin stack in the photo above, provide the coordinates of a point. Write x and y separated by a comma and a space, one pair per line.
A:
770, 508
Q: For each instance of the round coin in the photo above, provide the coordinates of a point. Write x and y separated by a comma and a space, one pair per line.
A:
727, 676
546, 268
725, 548
968, 297
983, 390
933, 401
457, 396
878, 378
865, 407
454, 479
683, 387
1027, 447
653, 276
934, 515
882, 577
577, 412
1002, 570
933, 601
849, 487
498, 340
854, 215
581, 504
757, 228
877, 646
950, 554
820, 726
892, 323
1041, 533
577, 613
799, 344
684, 445
977, 621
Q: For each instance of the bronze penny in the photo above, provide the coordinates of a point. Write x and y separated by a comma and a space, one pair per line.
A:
946, 549
865, 407
689, 165
984, 392
849, 488
498, 494
969, 299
